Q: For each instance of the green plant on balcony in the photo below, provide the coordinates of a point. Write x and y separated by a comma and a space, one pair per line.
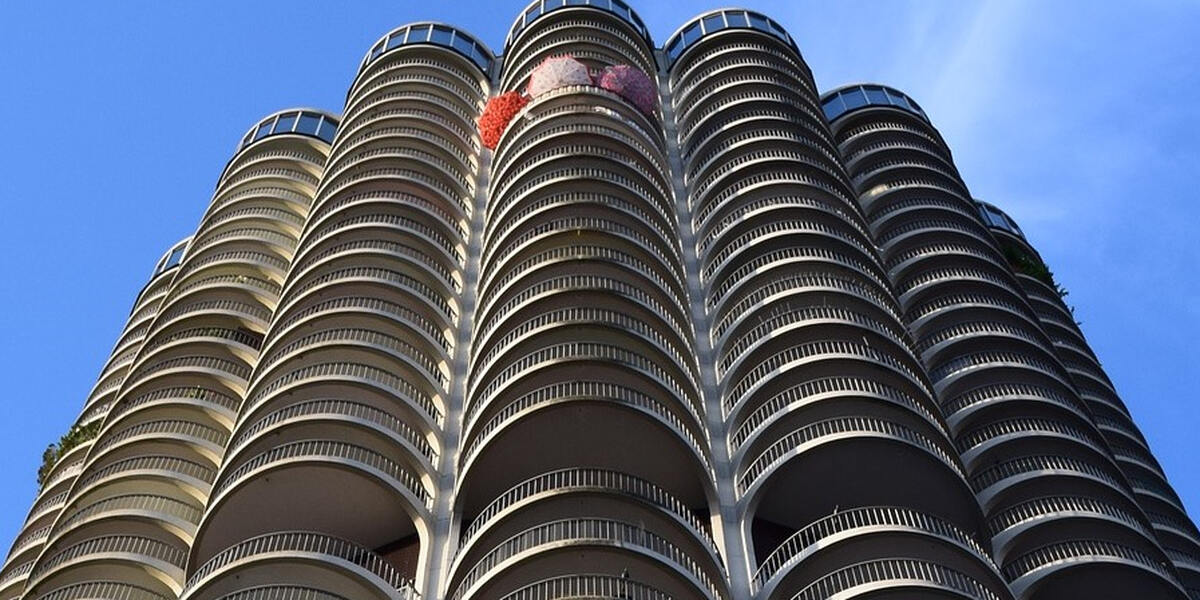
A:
74, 436
1032, 266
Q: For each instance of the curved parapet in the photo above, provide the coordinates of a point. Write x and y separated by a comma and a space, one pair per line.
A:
435, 34
539, 8
842, 100
304, 121
718, 20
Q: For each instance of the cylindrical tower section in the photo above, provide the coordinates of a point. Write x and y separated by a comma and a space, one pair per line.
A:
1175, 531
63, 461
331, 472
584, 455
132, 513
832, 432
1063, 522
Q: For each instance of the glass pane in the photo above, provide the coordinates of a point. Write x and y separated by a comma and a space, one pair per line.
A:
419, 33
308, 123
853, 98
713, 23
758, 22
876, 96
737, 19
675, 48
395, 40
442, 36
326, 130
832, 107
463, 45
263, 130
533, 13
691, 34
285, 123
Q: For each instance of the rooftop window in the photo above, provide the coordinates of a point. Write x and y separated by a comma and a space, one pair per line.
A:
542, 7
850, 98
436, 34
303, 122
723, 19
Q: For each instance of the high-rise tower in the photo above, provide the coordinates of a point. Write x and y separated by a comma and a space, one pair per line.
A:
681, 328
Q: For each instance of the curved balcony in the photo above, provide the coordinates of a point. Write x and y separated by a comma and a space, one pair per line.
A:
584, 585
191, 477
142, 561
887, 459
1010, 524
1091, 569
421, 407
991, 482
857, 526
595, 491
571, 424
179, 518
281, 592
115, 590
13, 578
306, 482
332, 565
921, 578
326, 411
597, 543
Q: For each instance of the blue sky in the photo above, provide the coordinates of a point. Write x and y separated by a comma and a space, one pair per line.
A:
1077, 117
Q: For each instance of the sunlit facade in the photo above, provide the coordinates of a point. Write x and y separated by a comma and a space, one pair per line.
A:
752, 342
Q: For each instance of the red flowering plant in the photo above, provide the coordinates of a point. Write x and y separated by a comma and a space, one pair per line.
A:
496, 116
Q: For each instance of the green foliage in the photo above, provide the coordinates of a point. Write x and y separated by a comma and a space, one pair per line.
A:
75, 436
1033, 267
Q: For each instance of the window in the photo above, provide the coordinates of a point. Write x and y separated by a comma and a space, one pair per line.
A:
308, 123
263, 130
737, 19
327, 129
285, 124
877, 96
853, 98
442, 35
713, 23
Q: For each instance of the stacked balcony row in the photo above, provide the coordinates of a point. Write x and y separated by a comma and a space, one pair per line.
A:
1061, 518
330, 475
584, 466
833, 436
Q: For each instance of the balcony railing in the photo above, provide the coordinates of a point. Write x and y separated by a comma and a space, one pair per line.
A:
305, 542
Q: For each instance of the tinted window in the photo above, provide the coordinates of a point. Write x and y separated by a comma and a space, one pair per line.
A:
758, 22
737, 19
876, 96
263, 130
833, 107
308, 123
285, 123
691, 34
419, 33
713, 23
395, 40
853, 98
441, 36
327, 130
